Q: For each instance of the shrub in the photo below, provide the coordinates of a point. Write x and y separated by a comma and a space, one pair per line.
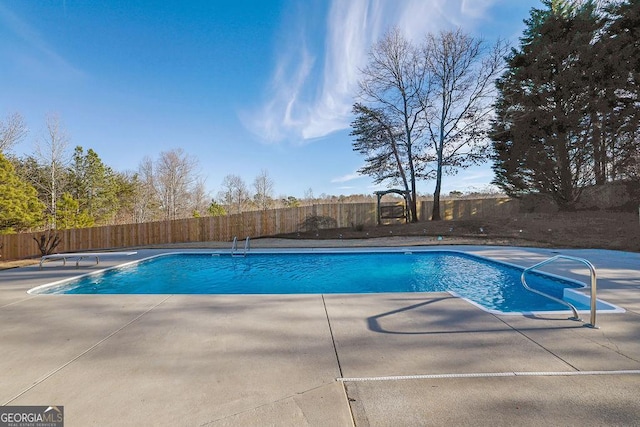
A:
317, 222
47, 242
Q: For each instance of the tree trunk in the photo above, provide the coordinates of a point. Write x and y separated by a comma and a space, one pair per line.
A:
414, 199
565, 194
413, 207
435, 214
599, 153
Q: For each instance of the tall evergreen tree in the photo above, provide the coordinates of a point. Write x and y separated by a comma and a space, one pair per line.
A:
128, 189
93, 185
542, 126
70, 215
20, 208
616, 142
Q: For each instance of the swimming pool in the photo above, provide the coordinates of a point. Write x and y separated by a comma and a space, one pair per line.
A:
492, 285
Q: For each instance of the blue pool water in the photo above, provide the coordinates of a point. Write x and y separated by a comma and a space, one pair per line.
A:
493, 285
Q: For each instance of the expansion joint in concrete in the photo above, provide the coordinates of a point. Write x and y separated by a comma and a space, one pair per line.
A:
333, 340
61, 367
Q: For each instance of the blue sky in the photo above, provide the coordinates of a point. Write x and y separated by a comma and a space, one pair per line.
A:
242, 85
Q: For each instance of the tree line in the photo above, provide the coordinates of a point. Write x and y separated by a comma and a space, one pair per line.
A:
55, 188
554, 115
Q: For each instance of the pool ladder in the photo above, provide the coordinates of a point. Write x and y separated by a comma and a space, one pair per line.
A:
234, 247
592, 271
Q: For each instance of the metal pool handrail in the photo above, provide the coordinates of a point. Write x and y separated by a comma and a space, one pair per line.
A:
234, 246
247, 245
593, 289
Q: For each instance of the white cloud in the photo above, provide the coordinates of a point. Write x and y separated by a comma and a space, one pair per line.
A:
475, 9
274, 119
39, 56
312, 97
351, 29
346, 178
377, 187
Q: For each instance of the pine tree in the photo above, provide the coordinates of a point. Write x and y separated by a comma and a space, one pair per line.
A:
568, 114
93, 185
388, 156
70, 215
542, 127
617, 89
20, 208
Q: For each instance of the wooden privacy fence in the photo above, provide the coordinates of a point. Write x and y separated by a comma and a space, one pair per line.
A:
224, 228
470, 208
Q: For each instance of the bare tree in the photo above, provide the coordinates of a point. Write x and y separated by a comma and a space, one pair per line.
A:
145, 203
461, 71
234, 193
200, 199
308, 195
389, 120
175, 177
12, 130
52, 154
263, 185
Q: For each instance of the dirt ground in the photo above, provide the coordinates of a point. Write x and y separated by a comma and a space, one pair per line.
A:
595, 230
4, 265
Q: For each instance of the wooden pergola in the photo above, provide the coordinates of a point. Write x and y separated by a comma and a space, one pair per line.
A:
393, 212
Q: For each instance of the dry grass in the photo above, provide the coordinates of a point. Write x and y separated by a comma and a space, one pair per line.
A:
5, 265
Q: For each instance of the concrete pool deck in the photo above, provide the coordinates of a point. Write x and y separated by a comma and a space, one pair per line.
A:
383, 359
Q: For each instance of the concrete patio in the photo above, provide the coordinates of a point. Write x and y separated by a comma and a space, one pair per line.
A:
320, 360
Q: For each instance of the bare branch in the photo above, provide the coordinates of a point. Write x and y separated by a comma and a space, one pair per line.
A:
461, 73
12, 130
390, 117
175, 179
52, 153
234, 193
263, 185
